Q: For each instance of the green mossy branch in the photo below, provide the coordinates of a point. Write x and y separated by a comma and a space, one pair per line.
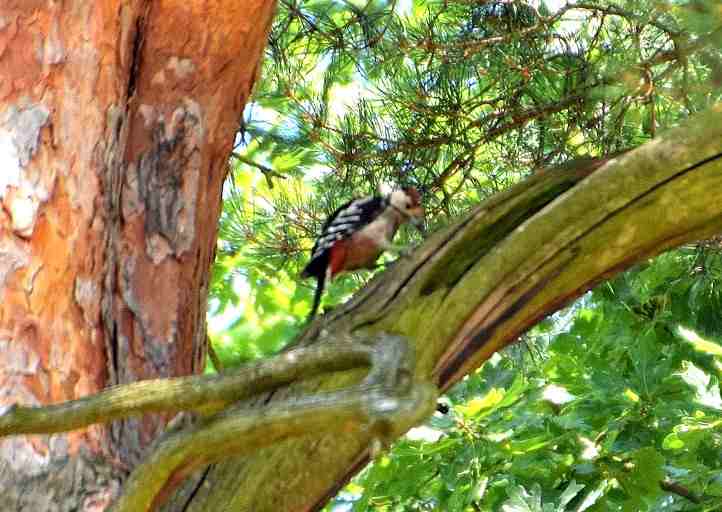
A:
202, 393
382, 407
376, 411
460, 299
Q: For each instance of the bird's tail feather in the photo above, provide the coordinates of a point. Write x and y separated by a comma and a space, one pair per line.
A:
321, 281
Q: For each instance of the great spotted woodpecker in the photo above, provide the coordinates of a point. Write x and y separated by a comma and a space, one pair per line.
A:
356, 234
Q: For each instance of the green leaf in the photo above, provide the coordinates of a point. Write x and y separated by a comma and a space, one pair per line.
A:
521, 500
483, 405
571, 491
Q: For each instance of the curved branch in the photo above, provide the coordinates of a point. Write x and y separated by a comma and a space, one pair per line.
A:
474, 287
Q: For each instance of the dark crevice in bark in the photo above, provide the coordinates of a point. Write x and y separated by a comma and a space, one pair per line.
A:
135, 63
424, 262
113, 348
138, 38
196, 488
269, 396
489, 238
485, 333
111, 194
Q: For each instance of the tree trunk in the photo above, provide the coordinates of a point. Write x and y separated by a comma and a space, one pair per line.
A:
116, 121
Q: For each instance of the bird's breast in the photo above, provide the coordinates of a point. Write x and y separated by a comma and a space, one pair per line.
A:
366, 245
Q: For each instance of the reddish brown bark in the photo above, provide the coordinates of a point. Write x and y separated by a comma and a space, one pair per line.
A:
116, 120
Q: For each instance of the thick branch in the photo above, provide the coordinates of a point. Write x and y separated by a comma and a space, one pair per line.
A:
383, 406
362, 411
475, 287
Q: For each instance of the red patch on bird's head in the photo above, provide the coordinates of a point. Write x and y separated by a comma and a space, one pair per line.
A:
413, 195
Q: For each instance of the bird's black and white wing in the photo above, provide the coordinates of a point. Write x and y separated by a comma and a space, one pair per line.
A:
342, 224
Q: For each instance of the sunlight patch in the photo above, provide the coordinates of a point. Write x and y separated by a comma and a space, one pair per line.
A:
590, 451
9, 163
557, 395
699, 343
424, 433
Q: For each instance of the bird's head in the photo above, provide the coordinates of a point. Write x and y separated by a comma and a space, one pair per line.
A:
407, 201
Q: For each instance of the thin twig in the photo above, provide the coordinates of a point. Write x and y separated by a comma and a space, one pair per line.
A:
213, 355
267, 171
678, 489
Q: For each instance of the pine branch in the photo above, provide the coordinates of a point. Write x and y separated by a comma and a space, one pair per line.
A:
267, 171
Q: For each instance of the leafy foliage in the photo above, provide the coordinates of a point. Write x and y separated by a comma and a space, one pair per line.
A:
613, 404
460, 99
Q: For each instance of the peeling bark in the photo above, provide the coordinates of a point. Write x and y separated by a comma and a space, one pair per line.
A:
114, 136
